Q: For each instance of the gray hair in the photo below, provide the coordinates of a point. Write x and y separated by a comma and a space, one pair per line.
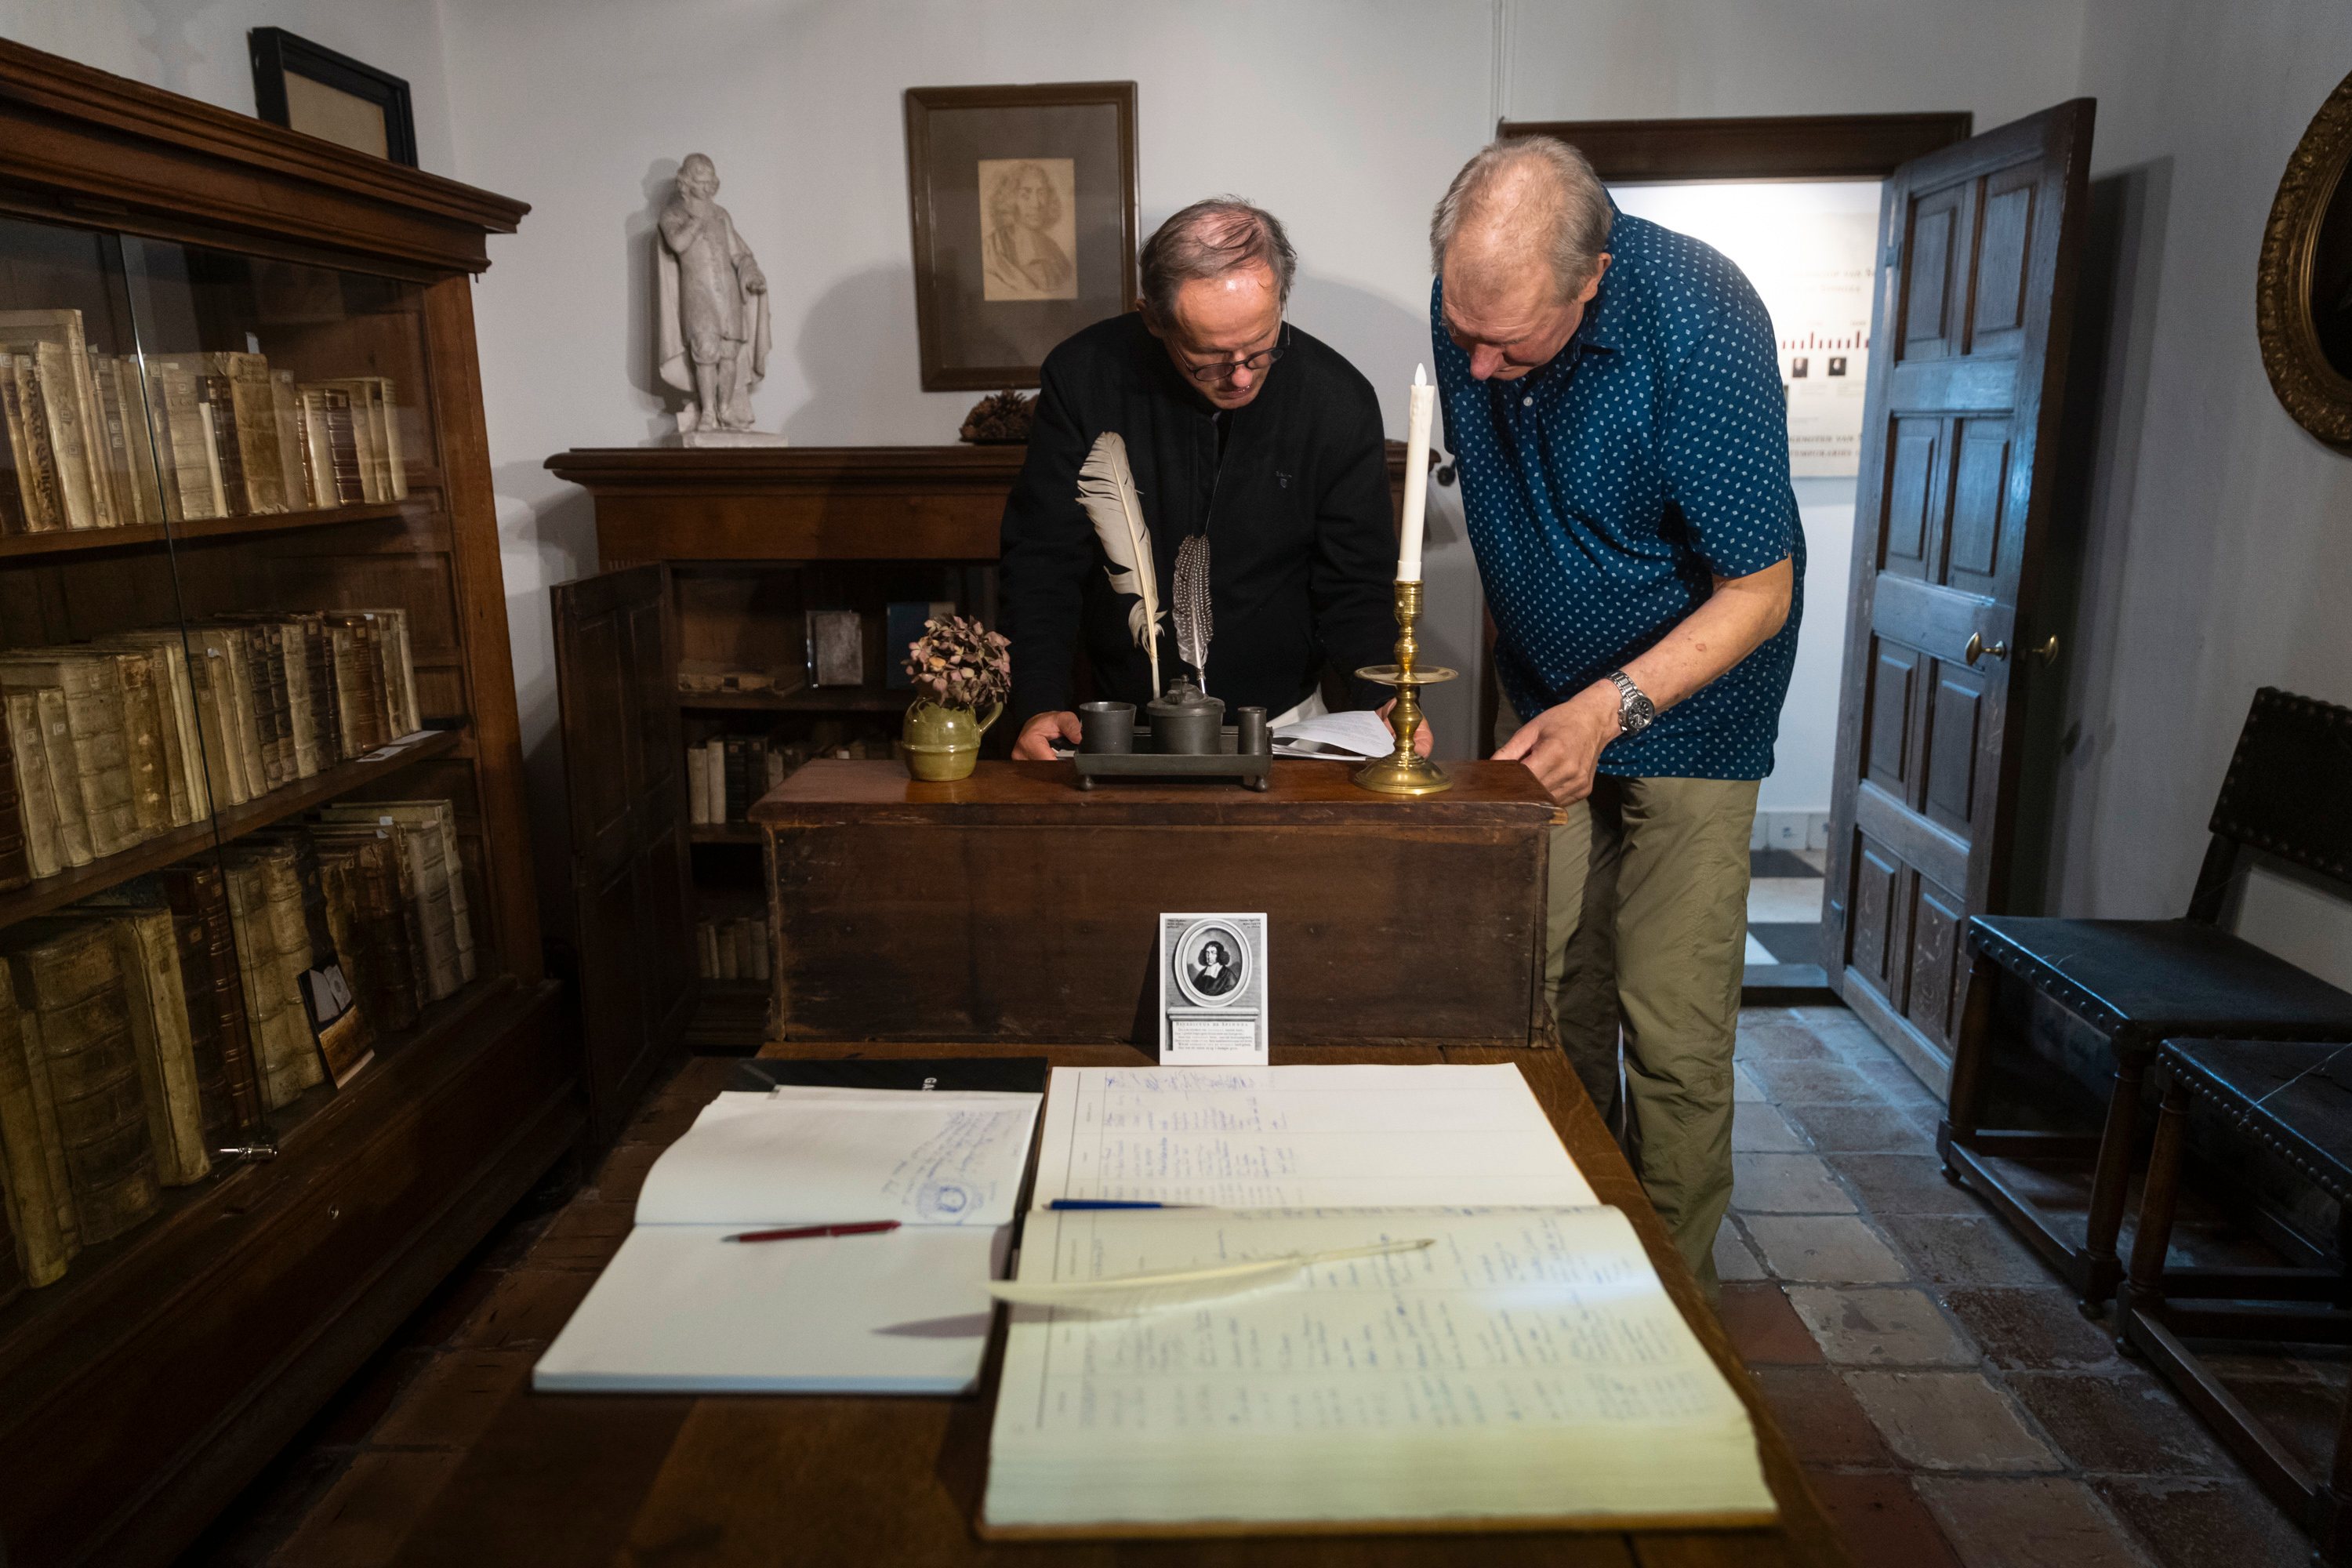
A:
1571, 229
1209, 240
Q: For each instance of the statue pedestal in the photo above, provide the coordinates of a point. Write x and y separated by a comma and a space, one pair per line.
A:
733, 439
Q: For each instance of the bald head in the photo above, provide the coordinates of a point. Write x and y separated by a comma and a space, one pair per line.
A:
1525, 211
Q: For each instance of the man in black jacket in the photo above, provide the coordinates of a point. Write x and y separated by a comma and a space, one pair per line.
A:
1237, 425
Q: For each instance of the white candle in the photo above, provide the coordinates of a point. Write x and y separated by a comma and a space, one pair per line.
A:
1422, 403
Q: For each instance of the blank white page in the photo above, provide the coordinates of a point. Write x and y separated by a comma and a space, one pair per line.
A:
1340, 1136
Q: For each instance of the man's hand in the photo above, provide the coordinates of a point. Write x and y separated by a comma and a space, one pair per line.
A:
1037, 742
1422, 739
1561, 746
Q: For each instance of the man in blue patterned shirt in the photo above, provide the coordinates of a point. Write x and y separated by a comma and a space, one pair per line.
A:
1613, 400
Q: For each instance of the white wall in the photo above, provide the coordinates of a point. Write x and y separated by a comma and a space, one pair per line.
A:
2220, 533
197, 46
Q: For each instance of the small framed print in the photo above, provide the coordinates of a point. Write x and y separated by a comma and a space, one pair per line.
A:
1024, 208
836, 647
1213, 990
310, 87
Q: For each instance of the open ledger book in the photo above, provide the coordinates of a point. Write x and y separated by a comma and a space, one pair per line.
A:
681, 1308
1528, 1369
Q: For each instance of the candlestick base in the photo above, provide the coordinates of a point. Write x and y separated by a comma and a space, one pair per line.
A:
1402, 772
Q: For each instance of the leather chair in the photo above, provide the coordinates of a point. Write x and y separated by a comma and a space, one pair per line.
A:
2288, 794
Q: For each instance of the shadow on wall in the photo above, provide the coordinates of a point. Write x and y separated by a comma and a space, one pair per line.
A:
561, 531
857, 350
642, 232
176, 54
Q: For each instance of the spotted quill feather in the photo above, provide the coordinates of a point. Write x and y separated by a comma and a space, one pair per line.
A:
1189, 606
1134, 1295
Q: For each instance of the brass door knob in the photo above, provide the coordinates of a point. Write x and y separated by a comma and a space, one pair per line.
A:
2048, 652
1976, 647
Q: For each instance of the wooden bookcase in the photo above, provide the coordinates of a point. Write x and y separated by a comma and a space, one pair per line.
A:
140, 1391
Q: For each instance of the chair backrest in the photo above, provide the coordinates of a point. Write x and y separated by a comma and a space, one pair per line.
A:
2288, 794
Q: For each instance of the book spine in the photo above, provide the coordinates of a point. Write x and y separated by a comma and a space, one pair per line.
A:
143, 733
301, 717
74, 986
698, 785
53, 405
36, 800
217, 401
138, 425
15, 863
112, 443
216, 1107
39, 1208
65, 783
199, 893
256, 408
286, 419
146, 950
221, 756
271, 1002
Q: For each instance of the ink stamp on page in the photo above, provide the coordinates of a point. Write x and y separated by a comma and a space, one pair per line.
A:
1213, 990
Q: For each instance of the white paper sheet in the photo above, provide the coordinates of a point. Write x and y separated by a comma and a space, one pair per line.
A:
681, 1310
1355, 1136
933, 1162
1359, 731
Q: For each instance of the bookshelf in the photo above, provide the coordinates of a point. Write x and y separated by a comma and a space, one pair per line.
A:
284, 504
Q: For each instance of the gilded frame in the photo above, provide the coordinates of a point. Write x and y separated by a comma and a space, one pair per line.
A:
2314, 391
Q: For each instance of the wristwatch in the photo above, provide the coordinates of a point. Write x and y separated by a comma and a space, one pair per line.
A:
1634, 712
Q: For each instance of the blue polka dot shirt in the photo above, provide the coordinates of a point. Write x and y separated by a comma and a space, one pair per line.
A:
1605, 491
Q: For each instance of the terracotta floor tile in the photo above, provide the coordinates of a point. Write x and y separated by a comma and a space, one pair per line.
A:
529, 1308
1949, 1421
2121, 1421
1902, 1183
1843, 1125
1880, 1326
2204, 1524
1745, 1089
1780, 1040
1961, 1250
1896, 1083
363, 1520
2032, 1328
1763, 1329
2036, 1522
1761, 1129
1830, 1249
1823, 1422
1734, 1259
1881, 1519
1811, 1080
1785, 1183
452, 1402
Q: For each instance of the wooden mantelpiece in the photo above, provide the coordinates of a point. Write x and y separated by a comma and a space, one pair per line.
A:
804, 503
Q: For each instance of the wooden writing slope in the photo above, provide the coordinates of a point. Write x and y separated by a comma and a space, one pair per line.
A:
725, 1480
1013, 906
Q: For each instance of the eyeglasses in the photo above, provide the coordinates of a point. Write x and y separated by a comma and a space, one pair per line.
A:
1226, 370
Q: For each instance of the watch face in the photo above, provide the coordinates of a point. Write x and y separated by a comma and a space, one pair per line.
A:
1635, 713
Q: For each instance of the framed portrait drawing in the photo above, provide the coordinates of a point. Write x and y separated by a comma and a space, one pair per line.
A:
1024, 208
310, 87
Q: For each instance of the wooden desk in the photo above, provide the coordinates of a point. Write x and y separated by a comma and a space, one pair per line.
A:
719, 1482
1013, 906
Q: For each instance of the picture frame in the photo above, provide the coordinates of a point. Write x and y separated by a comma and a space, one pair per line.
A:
1022, 205
2303, 280
1213, 985
310, 87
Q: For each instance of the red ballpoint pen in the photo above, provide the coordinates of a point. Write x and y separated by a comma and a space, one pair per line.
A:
799, 1232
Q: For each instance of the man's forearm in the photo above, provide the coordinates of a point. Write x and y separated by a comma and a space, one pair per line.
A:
1739, 617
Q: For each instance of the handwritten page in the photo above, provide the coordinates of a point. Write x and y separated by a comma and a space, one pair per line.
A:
1356, 1135
923, 1160
1528, 1364
1358, 732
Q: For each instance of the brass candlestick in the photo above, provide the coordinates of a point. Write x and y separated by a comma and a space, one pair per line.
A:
1401, 771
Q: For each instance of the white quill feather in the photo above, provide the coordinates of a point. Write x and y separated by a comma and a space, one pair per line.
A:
1106, 489
1135, 1294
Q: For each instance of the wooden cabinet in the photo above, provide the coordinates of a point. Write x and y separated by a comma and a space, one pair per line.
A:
182, 245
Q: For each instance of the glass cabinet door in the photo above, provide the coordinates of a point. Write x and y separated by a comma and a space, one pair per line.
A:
240, 824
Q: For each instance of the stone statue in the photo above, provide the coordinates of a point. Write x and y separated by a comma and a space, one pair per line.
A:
714, 310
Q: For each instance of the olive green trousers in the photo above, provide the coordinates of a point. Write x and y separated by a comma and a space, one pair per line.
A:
1646, 930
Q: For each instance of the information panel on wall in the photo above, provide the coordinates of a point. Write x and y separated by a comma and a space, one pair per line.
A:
1809, 249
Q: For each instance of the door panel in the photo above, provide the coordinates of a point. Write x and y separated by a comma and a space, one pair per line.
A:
624, 758
1976, 264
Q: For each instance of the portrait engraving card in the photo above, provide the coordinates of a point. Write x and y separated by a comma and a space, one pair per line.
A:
1213, 990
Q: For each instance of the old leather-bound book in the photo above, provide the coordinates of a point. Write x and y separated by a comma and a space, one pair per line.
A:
176, 717
285, 415
192, 480
237, 387
212, 678
215, 986
273, 948
29, 772
96, 746
279, 647
319, 654
66, 976
363, 863
16, 862
142, 731
51, 398
359, 684
147, 949
398, 667
425, 831
265, 664
329, 1001
64, 785
332, 446
43, 509
137, 421
39, 1199
246, 694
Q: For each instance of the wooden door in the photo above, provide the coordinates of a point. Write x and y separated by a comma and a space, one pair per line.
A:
624, 763
1977, 254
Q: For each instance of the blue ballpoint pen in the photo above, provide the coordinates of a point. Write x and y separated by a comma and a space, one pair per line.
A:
1065, 1204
